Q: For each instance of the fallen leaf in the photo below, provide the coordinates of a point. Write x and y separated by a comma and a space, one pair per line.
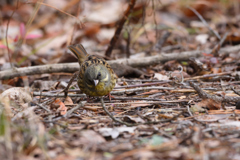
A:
68, 101
60, 106
133, 119
202, 38
159, 76
115, 132
210, 104
135, 105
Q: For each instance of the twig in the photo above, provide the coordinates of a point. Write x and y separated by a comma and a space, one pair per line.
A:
162, 40
216, 98
208, 76
69, 83
50, 94
119, 28
217, 83
67, 115
141, 89
143, 80
148, 84
57, 95
128, 43
205, 23
39, 105
235, 91
142, 102
128, 86
81, 104
137, 98
141, 85
218, 46
113, 92
111, 116
78, 20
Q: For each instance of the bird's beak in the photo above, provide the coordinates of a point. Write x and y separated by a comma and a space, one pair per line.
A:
95, 82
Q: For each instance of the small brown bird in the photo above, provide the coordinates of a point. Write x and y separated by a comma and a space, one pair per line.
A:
96, 78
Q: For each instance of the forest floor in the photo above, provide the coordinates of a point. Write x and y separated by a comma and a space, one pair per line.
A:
177, 91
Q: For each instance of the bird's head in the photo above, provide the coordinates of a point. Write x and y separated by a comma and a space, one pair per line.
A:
96, 74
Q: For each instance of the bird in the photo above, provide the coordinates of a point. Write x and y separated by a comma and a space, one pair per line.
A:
96, 78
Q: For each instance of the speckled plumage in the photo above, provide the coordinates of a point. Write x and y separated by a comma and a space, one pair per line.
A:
96, 78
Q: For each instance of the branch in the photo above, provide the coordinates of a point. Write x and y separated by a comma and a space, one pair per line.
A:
216, 98
137, 62
50, 68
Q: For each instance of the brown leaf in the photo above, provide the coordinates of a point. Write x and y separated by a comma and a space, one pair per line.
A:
60, 106
210, 104
135, 105
68, 101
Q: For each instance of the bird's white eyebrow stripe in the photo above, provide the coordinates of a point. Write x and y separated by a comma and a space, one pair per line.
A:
106, 78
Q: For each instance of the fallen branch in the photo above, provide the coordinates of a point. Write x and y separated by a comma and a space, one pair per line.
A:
161, 58
139, 62
50, 68
216, 98
73, 67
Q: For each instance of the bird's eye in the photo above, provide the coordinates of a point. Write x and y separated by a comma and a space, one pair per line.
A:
99, 75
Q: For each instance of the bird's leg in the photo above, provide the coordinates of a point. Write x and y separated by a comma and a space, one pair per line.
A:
110, 96
69, 83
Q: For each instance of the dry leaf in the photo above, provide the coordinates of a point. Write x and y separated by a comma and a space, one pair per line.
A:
60, 106
133, 119
115, 132
210, 104
159, 76
68, 101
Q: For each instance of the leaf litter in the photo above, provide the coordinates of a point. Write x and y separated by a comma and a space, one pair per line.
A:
176, 109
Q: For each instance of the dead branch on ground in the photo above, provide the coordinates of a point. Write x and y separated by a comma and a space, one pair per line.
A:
73, 67
216, 98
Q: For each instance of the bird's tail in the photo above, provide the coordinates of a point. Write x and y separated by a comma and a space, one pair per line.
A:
79, 51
